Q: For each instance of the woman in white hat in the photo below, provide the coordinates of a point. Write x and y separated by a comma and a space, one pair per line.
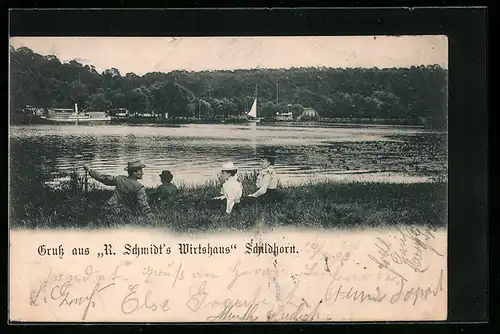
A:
232, 190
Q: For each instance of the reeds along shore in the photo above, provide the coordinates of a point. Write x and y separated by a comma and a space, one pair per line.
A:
325, 204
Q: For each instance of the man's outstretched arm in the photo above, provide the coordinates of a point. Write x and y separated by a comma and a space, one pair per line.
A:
108, 180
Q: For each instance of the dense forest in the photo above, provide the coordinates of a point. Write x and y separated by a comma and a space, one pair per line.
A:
418, 93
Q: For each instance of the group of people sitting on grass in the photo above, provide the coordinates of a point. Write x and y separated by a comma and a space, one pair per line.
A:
129, 193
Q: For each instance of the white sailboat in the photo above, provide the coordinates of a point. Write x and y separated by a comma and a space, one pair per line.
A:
252, 114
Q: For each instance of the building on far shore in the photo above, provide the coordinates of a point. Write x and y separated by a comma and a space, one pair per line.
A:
146, 115
33, 110
120, 112
308, 113
284, 116
96, 113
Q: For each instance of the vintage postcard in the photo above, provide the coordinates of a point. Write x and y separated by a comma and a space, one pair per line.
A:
228, 179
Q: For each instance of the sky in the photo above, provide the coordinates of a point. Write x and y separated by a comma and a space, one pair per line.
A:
141, 55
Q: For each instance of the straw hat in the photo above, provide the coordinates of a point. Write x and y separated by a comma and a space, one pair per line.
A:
228, 167
134, 165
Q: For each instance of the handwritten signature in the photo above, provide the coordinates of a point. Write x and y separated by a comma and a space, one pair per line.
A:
389, 255
68, 281
404, 294
285, 312
352, 293
198, 299
417, 293
229, 313
415, 235
135, 301
149, 272
238, 273
384, 255
63, 293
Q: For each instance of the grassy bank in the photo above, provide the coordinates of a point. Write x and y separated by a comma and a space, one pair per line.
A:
326, 204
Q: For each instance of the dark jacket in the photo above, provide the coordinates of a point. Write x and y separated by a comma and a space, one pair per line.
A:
128, 192
165, 193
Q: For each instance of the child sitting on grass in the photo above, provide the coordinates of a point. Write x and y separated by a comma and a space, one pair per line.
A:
166, 191
267, 182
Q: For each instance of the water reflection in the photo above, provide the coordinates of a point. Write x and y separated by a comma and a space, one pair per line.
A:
194, 153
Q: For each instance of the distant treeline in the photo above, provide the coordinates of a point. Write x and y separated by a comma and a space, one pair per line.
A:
418, 93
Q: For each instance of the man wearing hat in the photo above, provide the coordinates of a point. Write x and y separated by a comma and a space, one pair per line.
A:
232, 189
267, 181
166, 191
129, 193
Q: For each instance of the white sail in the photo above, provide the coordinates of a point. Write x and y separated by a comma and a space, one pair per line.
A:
253, 110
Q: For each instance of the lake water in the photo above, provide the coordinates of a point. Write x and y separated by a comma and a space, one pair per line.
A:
194, 153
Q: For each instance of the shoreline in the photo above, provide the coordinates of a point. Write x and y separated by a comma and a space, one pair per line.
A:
179, 122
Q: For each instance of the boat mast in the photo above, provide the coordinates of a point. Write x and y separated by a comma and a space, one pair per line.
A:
80, 82
255, 100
